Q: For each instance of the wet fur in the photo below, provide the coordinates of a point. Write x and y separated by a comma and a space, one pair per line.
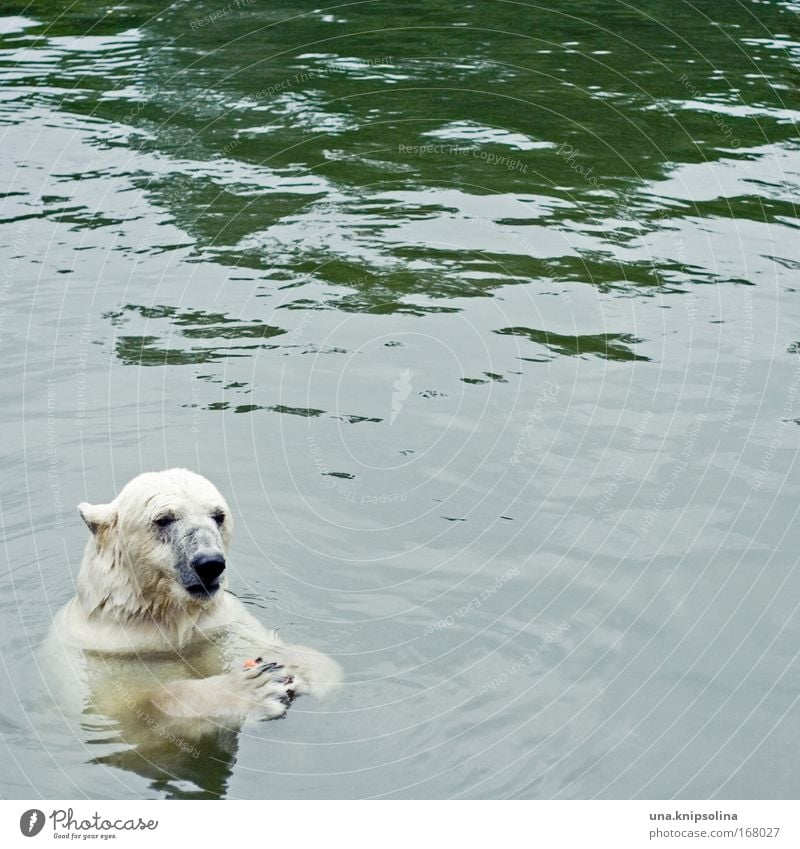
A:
136, 646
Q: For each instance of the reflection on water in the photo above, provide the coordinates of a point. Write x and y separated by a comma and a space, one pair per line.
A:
435, 304
609, 346
193, 324
172, 772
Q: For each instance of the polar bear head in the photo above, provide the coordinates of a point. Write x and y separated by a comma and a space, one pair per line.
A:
157, 550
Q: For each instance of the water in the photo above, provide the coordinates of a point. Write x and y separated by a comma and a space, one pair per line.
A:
484, 319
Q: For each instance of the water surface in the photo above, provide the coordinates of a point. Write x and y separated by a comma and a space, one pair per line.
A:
484, 317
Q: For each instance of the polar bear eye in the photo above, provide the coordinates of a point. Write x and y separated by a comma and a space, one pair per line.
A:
164, 521
218, 517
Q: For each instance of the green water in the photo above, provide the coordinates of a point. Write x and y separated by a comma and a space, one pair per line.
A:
484, 317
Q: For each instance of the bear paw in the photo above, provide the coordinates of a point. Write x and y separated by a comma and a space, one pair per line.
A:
270, 690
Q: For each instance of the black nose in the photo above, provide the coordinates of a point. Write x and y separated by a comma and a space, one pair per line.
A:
209, 566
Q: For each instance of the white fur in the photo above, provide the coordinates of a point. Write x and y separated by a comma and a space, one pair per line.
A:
139, 644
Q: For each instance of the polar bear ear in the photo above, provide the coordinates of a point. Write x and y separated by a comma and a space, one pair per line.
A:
96, 516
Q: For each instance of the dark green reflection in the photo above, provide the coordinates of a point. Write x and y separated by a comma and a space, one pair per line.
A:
607, 346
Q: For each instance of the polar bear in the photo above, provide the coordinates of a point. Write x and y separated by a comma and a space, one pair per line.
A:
154, 638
